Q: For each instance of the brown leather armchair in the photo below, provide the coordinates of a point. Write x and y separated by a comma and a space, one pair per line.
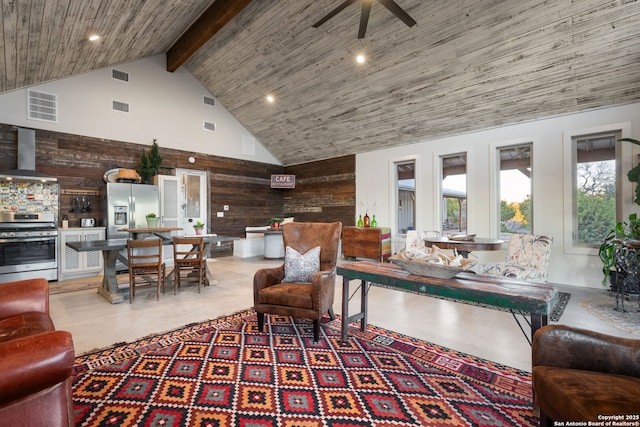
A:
301, 300
36, 361
581, 375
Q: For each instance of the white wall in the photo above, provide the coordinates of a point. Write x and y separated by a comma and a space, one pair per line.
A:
374, 183
166, 106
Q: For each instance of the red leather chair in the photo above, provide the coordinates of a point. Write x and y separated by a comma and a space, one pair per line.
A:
36, 361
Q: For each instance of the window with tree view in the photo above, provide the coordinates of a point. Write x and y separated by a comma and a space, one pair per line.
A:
515, 190
454, 194
595, 187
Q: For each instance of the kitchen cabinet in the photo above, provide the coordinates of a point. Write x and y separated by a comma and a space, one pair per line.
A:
72, 264
366, 242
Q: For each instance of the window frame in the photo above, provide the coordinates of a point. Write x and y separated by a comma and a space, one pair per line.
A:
438, 199
625, 160
393, 192
494, 178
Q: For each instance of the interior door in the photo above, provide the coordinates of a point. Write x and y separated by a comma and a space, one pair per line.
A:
193, 199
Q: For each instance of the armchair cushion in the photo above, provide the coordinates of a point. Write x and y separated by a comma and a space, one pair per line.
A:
288, 295
301, 267
22, 325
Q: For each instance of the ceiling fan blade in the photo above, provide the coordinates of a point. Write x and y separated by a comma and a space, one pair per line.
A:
364, 18
398, 11
334, 12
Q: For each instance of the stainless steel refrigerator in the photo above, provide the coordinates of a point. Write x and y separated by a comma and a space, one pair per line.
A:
126, 206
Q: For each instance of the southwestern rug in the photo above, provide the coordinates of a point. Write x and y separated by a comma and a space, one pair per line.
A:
224, 372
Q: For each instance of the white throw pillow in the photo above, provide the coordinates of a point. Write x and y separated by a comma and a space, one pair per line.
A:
301, 267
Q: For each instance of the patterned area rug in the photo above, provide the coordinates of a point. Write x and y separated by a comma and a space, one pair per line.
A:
225, 373
603, 307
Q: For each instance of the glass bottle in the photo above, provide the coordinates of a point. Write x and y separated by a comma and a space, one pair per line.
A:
360, 221
366, 220
374, 223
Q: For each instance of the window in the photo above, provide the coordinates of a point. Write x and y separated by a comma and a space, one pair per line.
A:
406, 195
454, 194
595, 187
514, 184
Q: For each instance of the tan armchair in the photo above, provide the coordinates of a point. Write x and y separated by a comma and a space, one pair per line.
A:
36, 361
581, 375
308, 300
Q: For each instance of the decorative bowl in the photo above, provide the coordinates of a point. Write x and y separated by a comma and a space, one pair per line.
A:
430, 269
463, 237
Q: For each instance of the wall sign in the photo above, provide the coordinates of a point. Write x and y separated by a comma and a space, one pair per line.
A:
283, 181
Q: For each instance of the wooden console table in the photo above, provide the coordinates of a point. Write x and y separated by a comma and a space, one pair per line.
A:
536, 299
366, 242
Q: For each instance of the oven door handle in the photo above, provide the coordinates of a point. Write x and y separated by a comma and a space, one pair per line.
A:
29, 239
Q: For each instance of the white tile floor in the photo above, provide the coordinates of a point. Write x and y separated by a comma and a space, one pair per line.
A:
490, 334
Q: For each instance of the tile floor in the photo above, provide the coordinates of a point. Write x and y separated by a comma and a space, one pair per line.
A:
490, 334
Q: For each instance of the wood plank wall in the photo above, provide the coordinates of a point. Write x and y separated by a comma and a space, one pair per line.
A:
325, 190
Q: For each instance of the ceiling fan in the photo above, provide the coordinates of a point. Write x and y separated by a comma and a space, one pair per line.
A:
366, 9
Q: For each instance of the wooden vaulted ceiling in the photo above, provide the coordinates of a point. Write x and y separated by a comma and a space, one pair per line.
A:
466, 64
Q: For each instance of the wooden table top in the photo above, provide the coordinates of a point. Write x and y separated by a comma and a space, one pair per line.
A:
477, 244
119, 244
495, 291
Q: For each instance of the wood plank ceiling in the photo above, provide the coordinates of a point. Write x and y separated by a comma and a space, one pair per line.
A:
466, 65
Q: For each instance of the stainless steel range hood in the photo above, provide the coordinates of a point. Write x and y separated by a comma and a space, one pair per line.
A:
26, 170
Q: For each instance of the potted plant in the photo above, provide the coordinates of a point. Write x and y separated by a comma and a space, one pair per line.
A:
198, 227
152, 220
275, 222
623, 230
149, 163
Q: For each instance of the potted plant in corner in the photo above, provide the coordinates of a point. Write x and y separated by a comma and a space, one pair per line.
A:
152, 220
198, 227
623, 230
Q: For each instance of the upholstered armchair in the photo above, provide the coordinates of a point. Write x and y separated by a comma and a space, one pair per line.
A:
36, 361
289, 290
527, 259
581, 375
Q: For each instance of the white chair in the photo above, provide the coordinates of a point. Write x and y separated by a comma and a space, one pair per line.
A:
527, 259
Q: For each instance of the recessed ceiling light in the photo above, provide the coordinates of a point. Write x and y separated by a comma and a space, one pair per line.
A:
270, 99
360, 59
94, 38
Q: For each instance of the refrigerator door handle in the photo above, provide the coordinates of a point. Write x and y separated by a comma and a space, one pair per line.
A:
132, 209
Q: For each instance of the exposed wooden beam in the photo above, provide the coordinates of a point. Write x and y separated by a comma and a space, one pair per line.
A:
205, 27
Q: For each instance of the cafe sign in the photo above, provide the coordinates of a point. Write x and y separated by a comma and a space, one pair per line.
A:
283, 181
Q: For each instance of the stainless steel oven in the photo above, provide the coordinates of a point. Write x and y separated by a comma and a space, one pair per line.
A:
28, 246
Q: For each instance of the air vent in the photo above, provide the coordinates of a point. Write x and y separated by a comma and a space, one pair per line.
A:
209, 101
42, 106
209, 126
120, 106
120, 75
